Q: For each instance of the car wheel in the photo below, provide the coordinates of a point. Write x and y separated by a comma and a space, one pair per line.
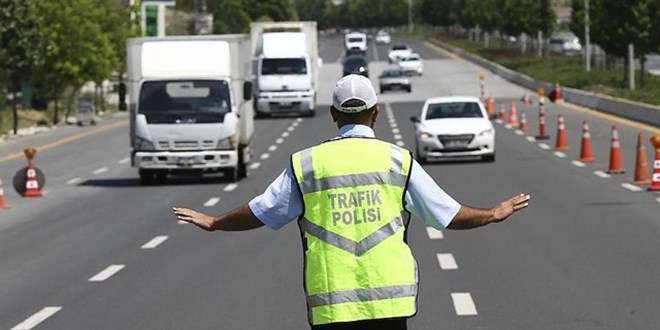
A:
420, 159
382, 89
409, 89
490, 158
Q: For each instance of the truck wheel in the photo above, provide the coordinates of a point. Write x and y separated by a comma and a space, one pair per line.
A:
161, 177
231, 175
310, 113
146, 177
242, 166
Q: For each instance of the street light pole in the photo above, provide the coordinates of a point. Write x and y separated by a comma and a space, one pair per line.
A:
587, 51
410, 20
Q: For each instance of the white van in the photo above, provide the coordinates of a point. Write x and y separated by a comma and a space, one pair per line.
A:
356, 43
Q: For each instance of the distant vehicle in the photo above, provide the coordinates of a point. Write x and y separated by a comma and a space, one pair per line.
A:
412, 64
356, 43
383, 37
356, 65
566, 45
454, 126
394, 79
397, 52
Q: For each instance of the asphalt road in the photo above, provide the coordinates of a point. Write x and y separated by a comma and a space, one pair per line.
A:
99, 251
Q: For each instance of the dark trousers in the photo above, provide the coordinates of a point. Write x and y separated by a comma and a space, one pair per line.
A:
381, 324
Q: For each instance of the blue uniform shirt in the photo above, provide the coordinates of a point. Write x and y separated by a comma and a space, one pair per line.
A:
281, 202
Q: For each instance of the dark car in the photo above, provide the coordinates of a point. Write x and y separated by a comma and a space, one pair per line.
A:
356, 65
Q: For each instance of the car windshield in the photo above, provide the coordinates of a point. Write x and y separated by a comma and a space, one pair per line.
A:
185, 96
399, 47
283, 66
453, 110
410, 59
393, 73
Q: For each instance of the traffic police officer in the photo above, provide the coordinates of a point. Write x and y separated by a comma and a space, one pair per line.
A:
352, 197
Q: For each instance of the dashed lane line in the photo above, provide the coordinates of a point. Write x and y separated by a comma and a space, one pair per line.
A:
602, 174
74, 181
578, 163
285, 134
434, 233
631, 187
264, 155
272, 148
123, 161
447, 261
463, 304
400, 143
544, 146
254, 165
231, 187
212, 201
100, 170
154, 242
106, 273
37, 318
291, 128
560, 154
531, 139
279, 140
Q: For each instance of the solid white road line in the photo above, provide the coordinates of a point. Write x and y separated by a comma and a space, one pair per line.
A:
124, 160
531, 139
560, 154
544, 146
631, 187
602, 174
265, 156
154, 242
400, 143
37, 318
434, 233
100, 170
272, 148
254, 165
463, 303
231, 187
74, 181
212, 201
447, 261
279, 140
578, 163
106, 273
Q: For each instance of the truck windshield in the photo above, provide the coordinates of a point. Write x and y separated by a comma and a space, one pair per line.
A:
190, 101
283, 66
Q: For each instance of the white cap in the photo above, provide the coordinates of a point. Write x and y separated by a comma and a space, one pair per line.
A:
354, 87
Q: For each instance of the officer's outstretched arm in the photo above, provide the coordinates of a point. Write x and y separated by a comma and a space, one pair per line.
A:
239, 219
469, 217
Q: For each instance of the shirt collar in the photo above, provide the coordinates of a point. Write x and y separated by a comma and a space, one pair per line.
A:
350, 130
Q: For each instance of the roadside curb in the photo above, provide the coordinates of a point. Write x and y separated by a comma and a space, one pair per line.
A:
637, 111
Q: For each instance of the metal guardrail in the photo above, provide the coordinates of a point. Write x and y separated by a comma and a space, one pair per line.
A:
637, 111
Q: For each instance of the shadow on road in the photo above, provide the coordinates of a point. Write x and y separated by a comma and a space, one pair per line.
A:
170, 181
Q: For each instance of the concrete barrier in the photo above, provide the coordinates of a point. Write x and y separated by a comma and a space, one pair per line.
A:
637, 111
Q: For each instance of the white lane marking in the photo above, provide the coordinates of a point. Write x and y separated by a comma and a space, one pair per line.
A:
294, 124
400, 143
657, 199
499, 121
37, 318
74, 181
106, 273
45, 192
100, 170
394, 125
519, 132
578, 163
231, 187
124, 160
279, 140
299, 120
291, 128
463, 303
265, 156
507, 126
544, 146
631, 187
531, 139
447, 261
397, 136
212, 201
154, 242
285, 134
434, 233
560, 154
272, 148
602, 174
254, 165
395, 130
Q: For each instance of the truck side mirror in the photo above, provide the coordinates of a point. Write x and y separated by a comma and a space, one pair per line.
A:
247, 90
121, 89
414, 119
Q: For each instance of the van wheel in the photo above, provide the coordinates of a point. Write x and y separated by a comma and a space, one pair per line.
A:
146, 177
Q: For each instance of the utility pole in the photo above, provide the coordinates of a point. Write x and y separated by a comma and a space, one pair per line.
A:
587, 38
410, 19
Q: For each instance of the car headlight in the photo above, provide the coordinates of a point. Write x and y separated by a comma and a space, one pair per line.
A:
425, 136
227, 143
143, 144
487, 132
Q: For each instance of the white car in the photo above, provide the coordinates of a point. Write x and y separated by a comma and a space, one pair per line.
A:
454, 126
356, 43
398, 52
383, 37
412, 64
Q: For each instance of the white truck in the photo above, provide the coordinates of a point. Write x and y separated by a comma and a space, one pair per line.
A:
286, 64
190, 109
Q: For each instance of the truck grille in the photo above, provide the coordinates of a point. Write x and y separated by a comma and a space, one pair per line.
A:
186, 145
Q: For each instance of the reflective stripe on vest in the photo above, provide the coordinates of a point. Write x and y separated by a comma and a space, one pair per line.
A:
357, 265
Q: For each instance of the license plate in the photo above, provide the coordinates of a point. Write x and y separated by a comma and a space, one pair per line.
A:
456, 144
186, 161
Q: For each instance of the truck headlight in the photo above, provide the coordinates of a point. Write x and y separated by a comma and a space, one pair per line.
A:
143, 144
227, 143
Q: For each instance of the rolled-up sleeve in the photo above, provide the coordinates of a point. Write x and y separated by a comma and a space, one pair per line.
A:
280, 203
427, 201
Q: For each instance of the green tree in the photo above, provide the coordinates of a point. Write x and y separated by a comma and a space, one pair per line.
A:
231, 17
18, 37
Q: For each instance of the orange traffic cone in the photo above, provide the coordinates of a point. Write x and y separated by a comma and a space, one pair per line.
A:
641, 165
523, 122
526, 100
502, 114
490, 107
557, 92
513, 115
3, 205
542, 135
616, 160
586, 151
562, 136
655, 179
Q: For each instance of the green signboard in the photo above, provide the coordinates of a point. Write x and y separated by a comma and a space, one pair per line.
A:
151, 16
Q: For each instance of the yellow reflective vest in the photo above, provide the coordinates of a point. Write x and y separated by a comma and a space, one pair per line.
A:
357, 263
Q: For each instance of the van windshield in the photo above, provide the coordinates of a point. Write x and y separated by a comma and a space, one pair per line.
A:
194, 100
355, 39
453, 110
283, 66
